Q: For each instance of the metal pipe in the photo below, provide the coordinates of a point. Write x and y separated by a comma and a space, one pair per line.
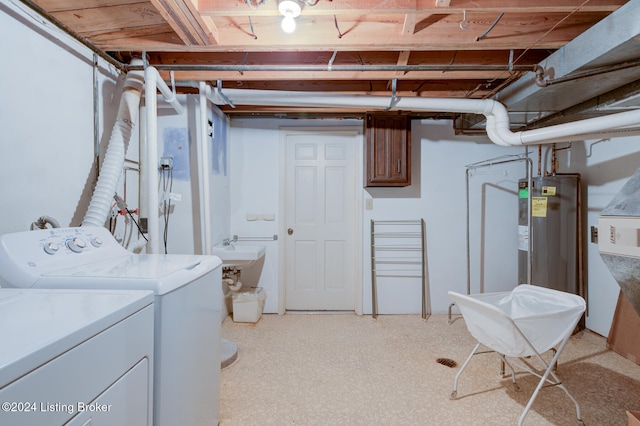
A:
541, 82
468, 239
96, 118
425, 311
529, 215
539, 160
331, 67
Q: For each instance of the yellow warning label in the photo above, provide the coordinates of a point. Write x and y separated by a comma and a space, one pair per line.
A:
539, 206
548, 190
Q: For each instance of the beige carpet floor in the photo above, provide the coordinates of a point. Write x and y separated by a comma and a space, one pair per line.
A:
353, 370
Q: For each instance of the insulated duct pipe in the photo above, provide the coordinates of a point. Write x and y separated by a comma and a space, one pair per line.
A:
497, 116
111, 169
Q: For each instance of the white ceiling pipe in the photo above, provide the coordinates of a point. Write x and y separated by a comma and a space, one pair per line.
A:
152, 84
203, 172
497, 125
151, 108
164, 89
582, 127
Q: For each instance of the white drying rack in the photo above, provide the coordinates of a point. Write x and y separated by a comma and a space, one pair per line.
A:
388, 239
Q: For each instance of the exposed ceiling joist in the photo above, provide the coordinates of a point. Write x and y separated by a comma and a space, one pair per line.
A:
429, 48
403, 60
185, 19
402, 7
409, 26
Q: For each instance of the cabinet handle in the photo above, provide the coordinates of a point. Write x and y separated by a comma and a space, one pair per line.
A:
398, 166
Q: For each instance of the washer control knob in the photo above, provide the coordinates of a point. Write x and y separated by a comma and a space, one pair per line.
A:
96, 242
51, 248
76, 245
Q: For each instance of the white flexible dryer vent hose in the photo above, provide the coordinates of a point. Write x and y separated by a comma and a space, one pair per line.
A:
113, 163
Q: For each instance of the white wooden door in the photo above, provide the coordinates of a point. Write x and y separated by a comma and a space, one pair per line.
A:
320, 220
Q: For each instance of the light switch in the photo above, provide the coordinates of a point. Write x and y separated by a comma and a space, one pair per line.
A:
368, 204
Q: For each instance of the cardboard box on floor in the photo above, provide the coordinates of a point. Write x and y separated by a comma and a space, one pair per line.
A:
624, 336
634, 418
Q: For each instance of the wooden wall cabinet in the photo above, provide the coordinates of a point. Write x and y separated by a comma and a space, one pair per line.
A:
387, 149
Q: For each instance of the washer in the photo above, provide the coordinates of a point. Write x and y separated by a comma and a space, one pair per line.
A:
187, 302
77, 356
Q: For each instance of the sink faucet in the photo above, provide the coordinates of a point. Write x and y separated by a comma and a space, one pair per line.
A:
226, 242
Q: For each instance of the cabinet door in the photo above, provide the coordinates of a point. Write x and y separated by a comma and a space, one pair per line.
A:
387, 150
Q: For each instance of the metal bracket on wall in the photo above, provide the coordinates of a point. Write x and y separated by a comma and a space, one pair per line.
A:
394, 97
222, 95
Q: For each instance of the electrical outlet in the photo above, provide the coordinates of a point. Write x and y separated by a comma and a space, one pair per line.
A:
166, 162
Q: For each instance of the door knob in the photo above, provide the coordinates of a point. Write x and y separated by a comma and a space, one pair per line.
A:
289, 231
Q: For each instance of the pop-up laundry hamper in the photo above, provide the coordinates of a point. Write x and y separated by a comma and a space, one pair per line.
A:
524, 322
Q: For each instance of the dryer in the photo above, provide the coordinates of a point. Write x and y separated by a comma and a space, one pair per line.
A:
77, 357
187, 302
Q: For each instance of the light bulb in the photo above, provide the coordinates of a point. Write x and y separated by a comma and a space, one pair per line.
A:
288, 24
289, 8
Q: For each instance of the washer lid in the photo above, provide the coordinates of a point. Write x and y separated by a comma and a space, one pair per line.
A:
37, 325
143, 266
157, 272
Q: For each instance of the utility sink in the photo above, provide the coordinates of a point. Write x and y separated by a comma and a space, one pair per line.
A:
239, 256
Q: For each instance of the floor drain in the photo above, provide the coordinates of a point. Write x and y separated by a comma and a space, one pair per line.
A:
447, 362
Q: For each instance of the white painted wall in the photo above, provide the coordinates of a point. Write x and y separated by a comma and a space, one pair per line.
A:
605, 165
439, 196
178, 139
46, 117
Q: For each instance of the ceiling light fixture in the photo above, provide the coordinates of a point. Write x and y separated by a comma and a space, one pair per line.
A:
290, 9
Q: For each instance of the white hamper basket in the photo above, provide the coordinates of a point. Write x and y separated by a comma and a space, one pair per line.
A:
248, 305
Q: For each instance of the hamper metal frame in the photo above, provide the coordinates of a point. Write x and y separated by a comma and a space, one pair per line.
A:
517, 344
